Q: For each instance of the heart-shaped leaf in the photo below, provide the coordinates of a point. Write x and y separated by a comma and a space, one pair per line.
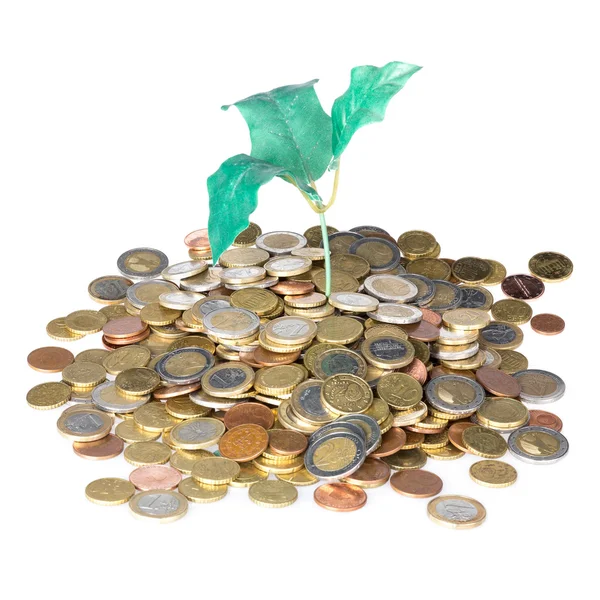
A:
233, 196
365, 100
289, 128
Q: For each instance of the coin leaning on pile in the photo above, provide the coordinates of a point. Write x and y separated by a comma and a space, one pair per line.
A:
244, 374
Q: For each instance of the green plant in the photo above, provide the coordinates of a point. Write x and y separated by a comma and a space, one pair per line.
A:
295, 139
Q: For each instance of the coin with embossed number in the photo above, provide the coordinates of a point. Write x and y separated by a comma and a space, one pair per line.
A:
335, 455
456, 512
159, 505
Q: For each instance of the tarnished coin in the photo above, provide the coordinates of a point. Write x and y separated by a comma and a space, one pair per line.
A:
109, 491
142, 263
381, 254
493, 473
425, 287
539, 387
197, 434
340, 497
471, 270
551, 266
476, 297
447, 296
416, 483
387, 351
110, 289
273, 494
49, 359
138, 381
454, 394
523, 287
497, 275
456, 512
538, 445
335, 455
159, 505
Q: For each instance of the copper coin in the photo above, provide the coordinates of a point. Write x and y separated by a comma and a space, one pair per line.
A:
287, 442
155, 477
547, 324
422, 331
50, 359
124, 341
124, 327
340, 497
543, 418
292, 288
440, 370
391, 442
248, 359
416, 483
244, 442
431, 317
249, 413
219, 414
498, 382
424, 430
222, 291
107, 447
198, 240
372, 473
455, 434
523, 287
272, 359
172, 391
417, 370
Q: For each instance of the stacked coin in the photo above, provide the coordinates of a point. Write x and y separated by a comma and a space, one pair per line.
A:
250, 376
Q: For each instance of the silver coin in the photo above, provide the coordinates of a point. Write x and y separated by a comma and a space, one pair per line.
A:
454, 394
425, 286
447, 296
211, 304
181, 270
179, 300
540, 387
340, 242
84, 422
337, 427
227, 378
450, 337
444, 352
110, 288
328, 458
240, 275
336, 361
81, 397
389, 349
538, 445
287, 266
391, 288
198, 431
231, 323
358, 302
142, 263
308, 397
380, 259
201, 398
193, 374
371, 428
399, 314
267, 282
369, 229
204, 282
106, 397
498, 333
139, 294
473, 298
155, 504
286, 242
456, 510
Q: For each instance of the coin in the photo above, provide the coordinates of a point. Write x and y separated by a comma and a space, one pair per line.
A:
551, 266
399, 390
447, 296
500, 336
102, 449
493, 473
340, 497
231, 323
387, 351
154, 417
432, 268
314, 237
336, 454
417, 244
109, 289
370, 427
286, 266
498, 273
454, 394
352, 264
416, 483
129, 431
280, 242
49, 359
215, 470
471, 270
57, 330
476, 297
142, 263
82, 322
380, 253
391, 288
539, 387
83, 374
546, 419
456, 512
155, 477
497, 382
373, 473
547, 324
138, 381
147, 453
204, 282
184, 460
197, 239
502, 413
148, 292
466, 319
244, 442
455, 434
340, 282
413, 458
244, 257
538, 445
484, 442
346, 394
299, 478
273, 494
197, 433
511, 361
226, 380
391, 442
339, 360
512, 311
185, 269
159, 505
340, 241
185, 365
109, 491
109, 398
249, 413
84, 424
522, 287
126, 358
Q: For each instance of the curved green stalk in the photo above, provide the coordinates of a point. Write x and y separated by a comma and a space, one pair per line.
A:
327, 257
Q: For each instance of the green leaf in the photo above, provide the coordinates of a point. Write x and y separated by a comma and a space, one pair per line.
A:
233, 197
289, 128
365, 100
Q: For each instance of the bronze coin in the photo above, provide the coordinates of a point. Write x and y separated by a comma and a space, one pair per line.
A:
222, 291
107, 447
422, 331
249, 413
431, 317
198, 240
247, 357
455, 434
293, 288
172, 391
391, 442
287, 442
424, 430
266, 358
372, 473
124, 327
543, 418
50, 359
547, 324
440, 370
417, 370
125, 341
155, 477
244, 442
523, 287
340, 497
416, 483
498, 383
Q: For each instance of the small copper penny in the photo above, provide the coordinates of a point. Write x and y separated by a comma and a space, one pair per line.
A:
172, 391
523, 287
127, 340
547, 324
440, 370
424, 430
545, 419
340, 497
372, 473
249, 412
287, 442
107, 447
124, 327
391, 442
247, 357
197, 239
244, 442
155, 477
431, 316
416, 483
50, 359
222, 291
292, 288
422, 331
267, 358
498, 382
455, 434
417, 370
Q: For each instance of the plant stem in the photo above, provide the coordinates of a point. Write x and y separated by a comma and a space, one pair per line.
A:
327, 257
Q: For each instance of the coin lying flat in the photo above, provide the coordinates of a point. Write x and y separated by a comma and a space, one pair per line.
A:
335, 455
551, 266
49, 359
142, 263
273, 494
493, 473
84, 425
416, 483
538, 445
159, 505
109, 289
456, 512
109, 491
539, 386
340, 497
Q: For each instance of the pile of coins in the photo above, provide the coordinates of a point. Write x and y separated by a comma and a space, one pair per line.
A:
252, 377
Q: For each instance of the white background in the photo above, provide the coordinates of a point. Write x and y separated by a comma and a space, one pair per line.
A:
110, 125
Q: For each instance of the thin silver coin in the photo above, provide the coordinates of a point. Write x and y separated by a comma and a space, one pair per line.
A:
454, 394
204, 282
353, 302
190, 365
398, 314
142, 263
442, 353
324, 452
179, 300
242, 275
447, 296
231, 323
539, 387
147, 292
538, 445
107, 397
181, 270
264, 283
391, 288
280, 242
201, 398
287, 266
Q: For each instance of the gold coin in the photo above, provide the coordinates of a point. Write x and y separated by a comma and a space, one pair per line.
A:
114, 311
130, 432
513, 311
512, 361
465, 364
130, 308
109, 491
84, 374
138, 381
316, 314
353, 302
82, 424
340, 282
192, 341
417, 243
273, 494
471, 270
346, 394
96, 355
51, 394
82, 322
215, 470
400, 391
149, 292
290, 331
352, 264
164, 506
289, 465
387, 351
379, 410
493, 473
244, 257
289, 420
411, 416
154, 417
257, 300
551, 266
466, 319
456, 512
281, 379
339, 330
432, 268
497, 275
248, 236
125, 358
200, 493
181, 407
155, 314
298, 478
484, 442
447, 452
451, 337
435, 441
184, 460
57, 330
147, 453
414, 458
248, 476
384, 329
314, 236
502, 413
